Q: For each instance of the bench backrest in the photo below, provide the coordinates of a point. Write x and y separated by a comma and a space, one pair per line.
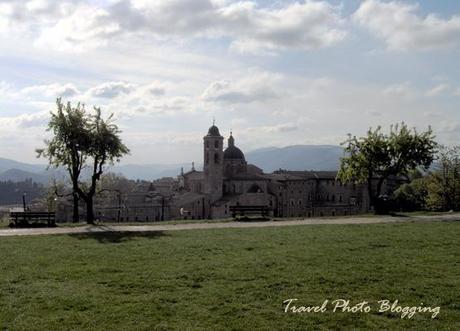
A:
31, 214
248, 208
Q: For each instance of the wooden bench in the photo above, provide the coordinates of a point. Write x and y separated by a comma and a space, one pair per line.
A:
23, 218
249, 210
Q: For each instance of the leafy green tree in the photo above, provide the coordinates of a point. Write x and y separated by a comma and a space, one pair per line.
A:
105, 148
83, 140
69, 143
444, 181
377, 156
413, 196
112, 182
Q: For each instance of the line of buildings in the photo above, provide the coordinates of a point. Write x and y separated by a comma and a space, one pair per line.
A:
228, 180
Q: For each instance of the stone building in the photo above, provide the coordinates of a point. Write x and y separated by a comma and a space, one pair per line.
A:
228, 180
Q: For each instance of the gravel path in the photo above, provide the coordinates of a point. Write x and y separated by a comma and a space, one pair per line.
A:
223, 225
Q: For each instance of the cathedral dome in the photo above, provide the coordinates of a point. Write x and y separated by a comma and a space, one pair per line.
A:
213, 131
232, 152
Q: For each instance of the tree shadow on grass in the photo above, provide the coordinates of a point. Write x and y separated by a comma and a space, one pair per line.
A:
117, 237
251, 219
392, 214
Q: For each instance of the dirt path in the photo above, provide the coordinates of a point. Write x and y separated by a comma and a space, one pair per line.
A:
223, 225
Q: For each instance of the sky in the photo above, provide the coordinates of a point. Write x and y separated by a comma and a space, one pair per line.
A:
275, 73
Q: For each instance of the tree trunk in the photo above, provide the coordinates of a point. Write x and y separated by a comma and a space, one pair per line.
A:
379, 186
370, 192
76, 214
89, 211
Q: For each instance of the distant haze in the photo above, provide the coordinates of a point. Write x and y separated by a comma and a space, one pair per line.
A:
298, 157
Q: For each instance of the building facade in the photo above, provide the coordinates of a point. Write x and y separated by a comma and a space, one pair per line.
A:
228, 180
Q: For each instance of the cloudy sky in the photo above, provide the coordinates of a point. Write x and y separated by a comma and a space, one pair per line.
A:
277, 73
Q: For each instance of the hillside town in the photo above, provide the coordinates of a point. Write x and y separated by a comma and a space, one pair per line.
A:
228, 180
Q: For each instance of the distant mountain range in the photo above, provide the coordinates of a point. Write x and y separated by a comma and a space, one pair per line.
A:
7, 164
18, 175
298, 157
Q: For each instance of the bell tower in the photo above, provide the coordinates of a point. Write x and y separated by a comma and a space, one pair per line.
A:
213, 163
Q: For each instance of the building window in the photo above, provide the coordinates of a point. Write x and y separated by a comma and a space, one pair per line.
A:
207, 143
207, 158
216, 144
216, 158
340, 198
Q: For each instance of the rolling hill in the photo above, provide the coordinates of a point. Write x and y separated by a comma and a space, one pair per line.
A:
298, 157
17, 175
7, 164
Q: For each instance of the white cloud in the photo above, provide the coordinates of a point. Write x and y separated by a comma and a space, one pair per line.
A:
76, 27
399, 25
37, 5
280, 128
87, 27
110, 90
5, 89
161, 106
50, 91
437, 90
300, 111
399, 90
258, 87
155, 89
26, 16
24, 121
309, 25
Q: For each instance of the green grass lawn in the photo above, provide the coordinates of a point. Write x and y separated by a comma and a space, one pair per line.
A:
234, 279
4, 222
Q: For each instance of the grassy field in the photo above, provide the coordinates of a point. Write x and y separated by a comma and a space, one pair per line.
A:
4, 222
231, 278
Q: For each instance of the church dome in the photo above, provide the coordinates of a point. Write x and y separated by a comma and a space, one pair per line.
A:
232, 152
213, 131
